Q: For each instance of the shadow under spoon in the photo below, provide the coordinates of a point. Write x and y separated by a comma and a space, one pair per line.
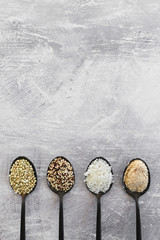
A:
136, 195
98, 196
60, 193
19, 177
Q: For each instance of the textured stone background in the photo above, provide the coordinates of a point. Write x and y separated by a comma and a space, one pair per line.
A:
81, 79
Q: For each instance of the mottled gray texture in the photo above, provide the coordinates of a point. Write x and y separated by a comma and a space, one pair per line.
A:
79, 79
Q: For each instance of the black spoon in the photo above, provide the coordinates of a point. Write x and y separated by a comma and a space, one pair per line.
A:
60, 194
22, 227
99, 195
136, 196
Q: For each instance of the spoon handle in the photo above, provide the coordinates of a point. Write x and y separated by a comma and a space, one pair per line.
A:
61, 228
98, 228
138, 221
22, 232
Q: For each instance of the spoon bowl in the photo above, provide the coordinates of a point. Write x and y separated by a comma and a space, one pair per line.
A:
49, 184
34, 170
23, 195
99, 195
60, 194
136, 195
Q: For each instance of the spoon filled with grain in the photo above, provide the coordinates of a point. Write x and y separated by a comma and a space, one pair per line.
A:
136, 181
99, 180
23, 180
60, 179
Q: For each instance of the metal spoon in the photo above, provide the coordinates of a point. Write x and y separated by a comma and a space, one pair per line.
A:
99, 195
60, 194
22, 227
136, 196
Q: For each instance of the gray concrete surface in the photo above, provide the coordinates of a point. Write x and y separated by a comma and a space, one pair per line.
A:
79, 79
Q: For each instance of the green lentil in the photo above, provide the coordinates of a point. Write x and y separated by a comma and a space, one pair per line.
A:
22, 176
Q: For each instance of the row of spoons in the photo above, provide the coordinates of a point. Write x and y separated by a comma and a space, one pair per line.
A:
61, 179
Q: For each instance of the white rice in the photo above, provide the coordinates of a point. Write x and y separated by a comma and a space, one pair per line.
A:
98, 176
